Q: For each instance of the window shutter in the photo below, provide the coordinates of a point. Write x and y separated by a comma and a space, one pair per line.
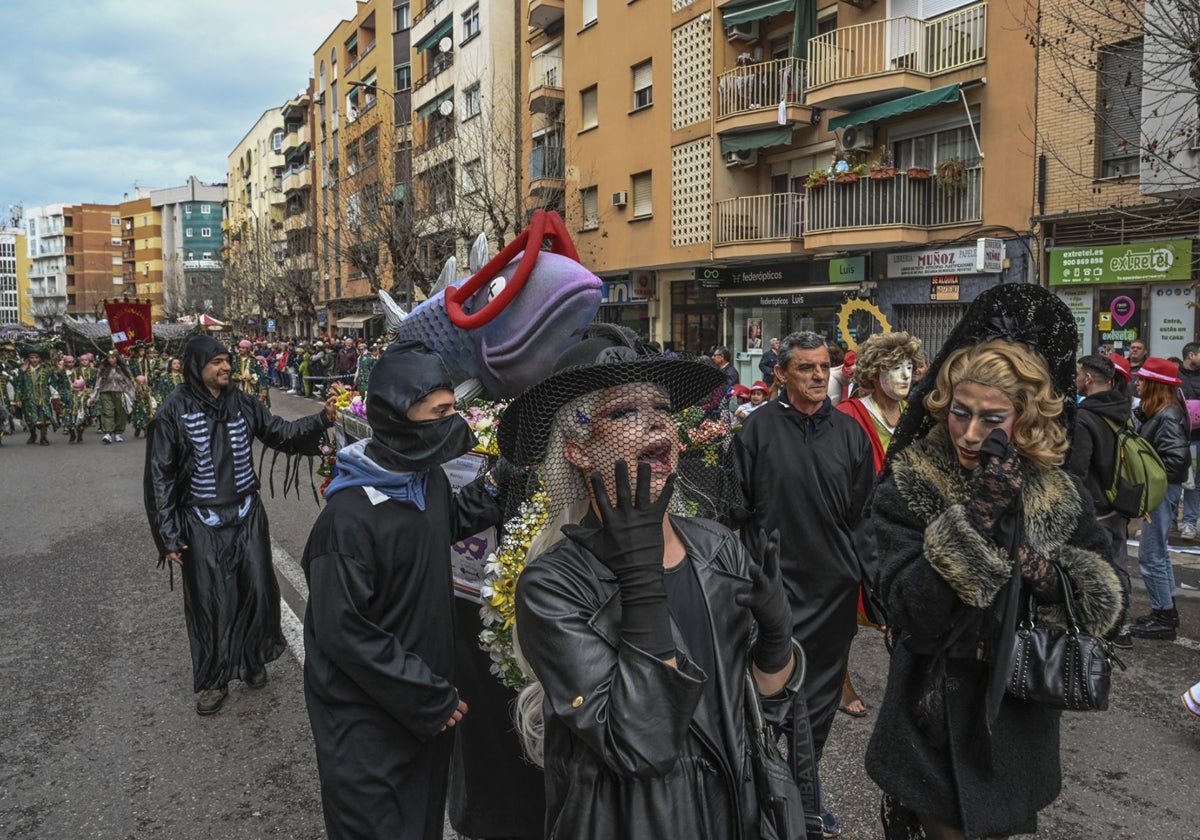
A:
643, 75
642, 203
933, 8
588, 101
591, 207
1120, 105
589, 11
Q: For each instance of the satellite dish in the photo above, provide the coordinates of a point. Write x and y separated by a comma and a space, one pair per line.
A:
446, 44
446, 108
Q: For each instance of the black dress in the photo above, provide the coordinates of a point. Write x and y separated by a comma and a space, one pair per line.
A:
379, 655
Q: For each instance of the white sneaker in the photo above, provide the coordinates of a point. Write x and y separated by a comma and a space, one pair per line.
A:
291, 390
119, 439
1188, 532
106, 439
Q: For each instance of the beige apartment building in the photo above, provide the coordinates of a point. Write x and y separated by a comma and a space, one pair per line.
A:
142, 252
699, 174
1118, 169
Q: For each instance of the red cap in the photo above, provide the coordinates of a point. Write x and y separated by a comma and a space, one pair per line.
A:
740, 390
848, 362
1158, 369
1121, 364
760, 386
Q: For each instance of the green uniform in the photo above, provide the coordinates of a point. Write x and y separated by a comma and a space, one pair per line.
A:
35, 388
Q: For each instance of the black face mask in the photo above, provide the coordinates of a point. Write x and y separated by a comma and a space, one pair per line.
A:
419, 446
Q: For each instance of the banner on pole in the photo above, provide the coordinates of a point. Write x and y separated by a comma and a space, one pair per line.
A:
129, 323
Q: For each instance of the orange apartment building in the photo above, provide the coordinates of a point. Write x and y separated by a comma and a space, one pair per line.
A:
699, 137
94, 266
141, 253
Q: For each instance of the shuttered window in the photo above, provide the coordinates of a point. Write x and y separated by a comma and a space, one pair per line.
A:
589, 12
589, 198
588, 101
1119, 109
643, 84
643, 204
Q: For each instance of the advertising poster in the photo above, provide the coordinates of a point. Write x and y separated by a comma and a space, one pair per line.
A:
468, 557
1080, 301
1121, 317
1172, 318
754, 335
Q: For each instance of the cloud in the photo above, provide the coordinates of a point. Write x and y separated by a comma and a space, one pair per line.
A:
100, 95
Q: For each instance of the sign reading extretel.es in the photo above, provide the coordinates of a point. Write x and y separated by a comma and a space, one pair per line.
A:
1140, 262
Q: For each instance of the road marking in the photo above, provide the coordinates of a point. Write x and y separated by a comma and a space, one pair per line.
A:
293, 628
1190, 644
287, 566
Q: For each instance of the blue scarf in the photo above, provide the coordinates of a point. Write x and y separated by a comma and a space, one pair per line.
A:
354, 469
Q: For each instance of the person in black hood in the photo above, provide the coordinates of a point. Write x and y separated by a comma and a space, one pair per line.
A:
379, 677
1093, 459
201, 495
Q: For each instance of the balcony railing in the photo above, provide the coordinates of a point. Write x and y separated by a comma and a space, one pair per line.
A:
759, 218
430, 5
441, 63
547, 162
923, 47
545, 71
901, 201
433, 139
763, 85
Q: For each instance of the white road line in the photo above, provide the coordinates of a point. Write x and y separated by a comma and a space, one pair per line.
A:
1190, 644
287, 566
293, 628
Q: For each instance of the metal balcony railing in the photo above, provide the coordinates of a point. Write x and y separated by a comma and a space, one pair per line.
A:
901, 201
430, 5
547, 162
759, 218
764, 85
923, 47
441, 63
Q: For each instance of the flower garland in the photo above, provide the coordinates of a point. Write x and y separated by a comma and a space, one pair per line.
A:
498, 593
484, 420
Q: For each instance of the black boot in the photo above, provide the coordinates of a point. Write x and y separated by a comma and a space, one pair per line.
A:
43, 440
1171, 614
72, 440
1160, 625
32, 435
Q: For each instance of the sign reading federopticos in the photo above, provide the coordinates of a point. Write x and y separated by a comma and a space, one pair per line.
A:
1139, 262
984, 256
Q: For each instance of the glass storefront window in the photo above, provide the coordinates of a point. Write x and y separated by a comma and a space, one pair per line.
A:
751, 327
695, 327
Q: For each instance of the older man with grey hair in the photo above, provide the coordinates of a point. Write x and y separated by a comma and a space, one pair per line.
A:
807, 471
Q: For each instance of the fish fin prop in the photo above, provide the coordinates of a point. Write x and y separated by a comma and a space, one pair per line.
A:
468, 390
478, 257
393, 315
448, 276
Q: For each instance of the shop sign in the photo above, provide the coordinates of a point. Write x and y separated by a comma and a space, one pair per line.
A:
1121, 317
1080, 302
626, 289
1142, 262
848, 270
943, 287
783, 275
984, 256
1172, 318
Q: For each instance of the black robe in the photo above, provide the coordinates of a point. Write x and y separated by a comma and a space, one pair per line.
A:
379, 655
810, 476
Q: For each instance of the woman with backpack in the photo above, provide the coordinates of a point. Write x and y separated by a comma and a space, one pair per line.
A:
1164, 424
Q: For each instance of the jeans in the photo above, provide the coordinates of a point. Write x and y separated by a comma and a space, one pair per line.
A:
1153, 559
1191, 498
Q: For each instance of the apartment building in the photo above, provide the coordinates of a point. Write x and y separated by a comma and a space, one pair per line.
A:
45, 241
193, 273
1118, 167
92, 247
700, 173
12, 246
142, 252
298, 292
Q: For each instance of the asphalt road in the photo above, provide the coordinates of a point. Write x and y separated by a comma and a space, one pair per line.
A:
98, 737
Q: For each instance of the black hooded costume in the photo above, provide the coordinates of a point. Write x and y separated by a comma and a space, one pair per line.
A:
379, 628
202, 500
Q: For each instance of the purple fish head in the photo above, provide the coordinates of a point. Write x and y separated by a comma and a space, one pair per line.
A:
520, 345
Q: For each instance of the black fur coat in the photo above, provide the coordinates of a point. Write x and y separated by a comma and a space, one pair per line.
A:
931, 749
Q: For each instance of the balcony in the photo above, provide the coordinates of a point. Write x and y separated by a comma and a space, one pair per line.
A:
203, 265
899, 210
759, 225
543, 14
873, 62
748, 96
545, 84
440, 63
437, 136
430, 6
297, 178
547, 168
296, 139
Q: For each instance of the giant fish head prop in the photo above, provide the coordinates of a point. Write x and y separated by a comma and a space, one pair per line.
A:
506, 325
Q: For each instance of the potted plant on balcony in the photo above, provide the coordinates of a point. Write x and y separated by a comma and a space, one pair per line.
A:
918, 173
952, 174
817, 178
884, 168
851, 174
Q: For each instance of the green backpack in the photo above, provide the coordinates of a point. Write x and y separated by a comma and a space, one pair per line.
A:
1139, 482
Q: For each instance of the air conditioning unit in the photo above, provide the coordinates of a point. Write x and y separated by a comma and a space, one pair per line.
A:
858, 137
743, 31
743, 157
620, 198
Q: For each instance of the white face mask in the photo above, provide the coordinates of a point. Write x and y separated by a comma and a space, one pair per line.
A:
897, 381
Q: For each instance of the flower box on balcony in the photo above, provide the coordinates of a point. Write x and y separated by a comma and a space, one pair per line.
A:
816, 180
916, 173
845, 178
884, 173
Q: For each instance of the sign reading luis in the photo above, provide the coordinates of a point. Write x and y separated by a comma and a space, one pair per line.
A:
986, 256
1135, 263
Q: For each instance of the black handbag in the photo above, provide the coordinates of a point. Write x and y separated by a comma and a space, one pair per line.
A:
1063, 668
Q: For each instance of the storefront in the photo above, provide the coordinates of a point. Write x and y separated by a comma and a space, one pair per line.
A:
762, 302
625, 300
1119, 293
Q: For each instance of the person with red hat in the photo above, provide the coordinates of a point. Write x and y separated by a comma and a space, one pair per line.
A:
1164, 424
757, 397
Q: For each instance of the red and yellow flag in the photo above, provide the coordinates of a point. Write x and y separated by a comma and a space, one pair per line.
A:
129, 323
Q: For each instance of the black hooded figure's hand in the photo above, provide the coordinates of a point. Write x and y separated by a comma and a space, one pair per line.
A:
767, 600
995, 483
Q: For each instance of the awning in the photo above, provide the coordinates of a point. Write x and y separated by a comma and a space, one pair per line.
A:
903, 105
439, 32
431, 106
355, 323
755, 10
778, 136
210, 321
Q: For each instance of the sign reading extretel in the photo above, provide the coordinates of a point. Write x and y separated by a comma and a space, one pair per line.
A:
1139, 262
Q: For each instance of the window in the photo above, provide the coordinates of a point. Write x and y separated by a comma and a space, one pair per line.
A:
589, 12
187, 209
206, 231
471, 176
205, 208
471, 101
642, 194
115, 221
643, 85
187, 231
470, 23
927, 150
1119, 108
589, 199
588, 102
403, 18
403, 77
277, 141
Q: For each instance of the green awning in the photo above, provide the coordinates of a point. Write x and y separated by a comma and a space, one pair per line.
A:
431, 106
440, 32
755, 10
778, 136
903, 105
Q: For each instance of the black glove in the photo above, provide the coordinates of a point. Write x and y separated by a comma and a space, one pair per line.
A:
767, 600
995, 483
504, 474
629, 542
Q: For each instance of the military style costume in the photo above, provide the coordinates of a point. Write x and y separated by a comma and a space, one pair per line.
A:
35, 391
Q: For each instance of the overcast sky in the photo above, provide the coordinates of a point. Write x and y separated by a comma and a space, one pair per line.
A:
97, 95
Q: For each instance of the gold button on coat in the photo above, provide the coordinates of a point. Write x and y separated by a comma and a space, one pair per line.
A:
577, 702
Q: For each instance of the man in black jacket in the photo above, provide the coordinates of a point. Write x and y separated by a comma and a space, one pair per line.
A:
1094, 456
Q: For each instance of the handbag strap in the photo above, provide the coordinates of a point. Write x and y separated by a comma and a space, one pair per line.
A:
1068, 593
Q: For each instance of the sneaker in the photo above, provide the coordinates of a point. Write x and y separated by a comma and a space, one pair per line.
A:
1188, 532
1159, 625
257, 679
210, 700
119, 439
1123, 640
291, 390
106, 439
830, 827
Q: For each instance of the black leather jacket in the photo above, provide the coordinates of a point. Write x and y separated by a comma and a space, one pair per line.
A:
628, 751
1168, 433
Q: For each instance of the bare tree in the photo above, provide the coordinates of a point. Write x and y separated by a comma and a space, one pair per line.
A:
253, 271
298, 287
